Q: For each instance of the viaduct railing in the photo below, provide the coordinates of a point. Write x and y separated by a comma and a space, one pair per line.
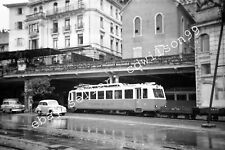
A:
187, 59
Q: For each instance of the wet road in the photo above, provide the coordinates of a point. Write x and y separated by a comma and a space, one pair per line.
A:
86, 131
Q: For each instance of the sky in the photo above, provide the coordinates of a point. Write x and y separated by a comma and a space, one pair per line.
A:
4, 12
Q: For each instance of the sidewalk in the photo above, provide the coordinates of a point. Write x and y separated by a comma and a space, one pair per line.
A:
24, 144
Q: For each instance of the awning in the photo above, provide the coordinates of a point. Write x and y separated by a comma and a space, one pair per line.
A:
28, 53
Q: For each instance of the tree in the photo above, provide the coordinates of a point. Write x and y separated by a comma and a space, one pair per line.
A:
39, 86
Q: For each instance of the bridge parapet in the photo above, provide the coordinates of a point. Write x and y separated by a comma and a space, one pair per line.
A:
187, 59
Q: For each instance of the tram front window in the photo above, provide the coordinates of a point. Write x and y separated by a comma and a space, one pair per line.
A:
158, 93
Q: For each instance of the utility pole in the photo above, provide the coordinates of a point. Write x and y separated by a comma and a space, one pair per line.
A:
222, 9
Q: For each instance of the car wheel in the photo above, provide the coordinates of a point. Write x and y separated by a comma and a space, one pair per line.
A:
49, 113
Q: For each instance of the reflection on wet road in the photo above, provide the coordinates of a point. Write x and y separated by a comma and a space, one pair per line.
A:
127, 136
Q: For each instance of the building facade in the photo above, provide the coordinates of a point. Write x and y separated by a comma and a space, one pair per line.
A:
4, 41
18, 34
156, 27
68, 25
209, 24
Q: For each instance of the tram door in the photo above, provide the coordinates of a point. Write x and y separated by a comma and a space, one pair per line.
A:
138, 99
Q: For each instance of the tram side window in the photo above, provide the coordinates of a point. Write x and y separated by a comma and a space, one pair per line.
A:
118, 94
181, 97
73, 96
93, 95
100, 94
109, 95
170, 97
85, 95
128, 94
192, 97
79, 96
145, 93
70, 96
158, 93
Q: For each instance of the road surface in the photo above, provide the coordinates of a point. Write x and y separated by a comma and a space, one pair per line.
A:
98, 131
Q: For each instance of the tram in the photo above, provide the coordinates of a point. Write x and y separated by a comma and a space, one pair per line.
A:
134, 98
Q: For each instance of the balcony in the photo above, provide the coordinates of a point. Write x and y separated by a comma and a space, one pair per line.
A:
79, 26
54, 31
65, 9
35, 2
34, 33
67, 29
35, 16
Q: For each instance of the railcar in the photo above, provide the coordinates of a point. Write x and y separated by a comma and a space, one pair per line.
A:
132, 98
182, 102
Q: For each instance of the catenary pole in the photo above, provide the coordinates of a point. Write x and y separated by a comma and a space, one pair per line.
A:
217, 60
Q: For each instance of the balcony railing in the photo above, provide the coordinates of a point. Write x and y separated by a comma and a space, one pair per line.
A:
40, 15
79, 26
34, 33
35, 2
72, 7
187, 59
54, 30
67, 28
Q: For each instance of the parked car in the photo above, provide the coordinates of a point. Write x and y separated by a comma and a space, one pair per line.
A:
12, 105
50, 106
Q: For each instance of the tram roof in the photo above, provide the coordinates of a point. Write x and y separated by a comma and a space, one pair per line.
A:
88, 86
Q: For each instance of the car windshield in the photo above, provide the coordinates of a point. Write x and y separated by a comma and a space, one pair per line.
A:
6, 103
11, 103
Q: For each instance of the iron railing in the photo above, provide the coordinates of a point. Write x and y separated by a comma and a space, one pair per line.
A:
187, 59
71, 7
35, 16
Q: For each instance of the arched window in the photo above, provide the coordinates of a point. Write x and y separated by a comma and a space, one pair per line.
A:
40, 9
159, 23
35, 10
137, 26
55, 7
204, 40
